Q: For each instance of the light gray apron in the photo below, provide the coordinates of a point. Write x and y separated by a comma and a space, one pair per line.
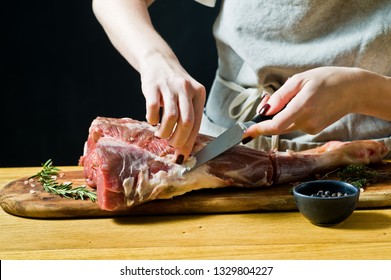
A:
261, 43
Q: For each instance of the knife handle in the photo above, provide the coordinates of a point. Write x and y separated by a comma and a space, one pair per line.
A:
261, 115
256, 119
259, 118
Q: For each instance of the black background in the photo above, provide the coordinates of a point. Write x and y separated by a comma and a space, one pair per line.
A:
59, 71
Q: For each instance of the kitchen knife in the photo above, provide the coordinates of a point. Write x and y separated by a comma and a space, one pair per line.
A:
225, 141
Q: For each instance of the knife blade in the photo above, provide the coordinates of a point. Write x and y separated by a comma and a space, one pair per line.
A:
225, 141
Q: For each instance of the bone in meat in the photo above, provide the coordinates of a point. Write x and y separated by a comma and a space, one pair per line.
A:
129, 166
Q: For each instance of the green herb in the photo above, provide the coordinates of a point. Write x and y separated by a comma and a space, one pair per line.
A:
48, 175
362, 175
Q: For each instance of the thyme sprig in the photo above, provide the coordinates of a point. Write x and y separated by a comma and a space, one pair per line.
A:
48, 176
360, 175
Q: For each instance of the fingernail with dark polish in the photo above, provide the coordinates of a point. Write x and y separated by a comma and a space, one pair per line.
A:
179, 159
246, 140
264, 109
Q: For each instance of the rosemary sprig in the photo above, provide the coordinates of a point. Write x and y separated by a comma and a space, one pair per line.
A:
48, 175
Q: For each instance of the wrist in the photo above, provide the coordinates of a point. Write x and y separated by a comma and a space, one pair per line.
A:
374, 94
155, 57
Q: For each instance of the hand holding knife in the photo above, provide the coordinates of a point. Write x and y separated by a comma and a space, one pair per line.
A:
228, 139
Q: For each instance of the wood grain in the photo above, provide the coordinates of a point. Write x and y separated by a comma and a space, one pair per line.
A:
270, 235
16, 198
267, 235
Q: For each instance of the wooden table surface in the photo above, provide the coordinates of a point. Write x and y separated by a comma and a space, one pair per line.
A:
278, 235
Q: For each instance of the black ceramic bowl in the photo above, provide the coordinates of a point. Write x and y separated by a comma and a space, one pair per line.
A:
326, 202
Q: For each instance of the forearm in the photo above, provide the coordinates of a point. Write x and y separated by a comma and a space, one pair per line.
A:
129, 28
374, 95
164, 82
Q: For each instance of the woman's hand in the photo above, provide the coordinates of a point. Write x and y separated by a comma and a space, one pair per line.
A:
166, 85
312, 100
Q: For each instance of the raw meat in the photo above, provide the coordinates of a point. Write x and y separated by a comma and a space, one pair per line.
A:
129, 166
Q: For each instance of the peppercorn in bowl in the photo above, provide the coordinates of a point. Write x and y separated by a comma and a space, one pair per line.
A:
326, 202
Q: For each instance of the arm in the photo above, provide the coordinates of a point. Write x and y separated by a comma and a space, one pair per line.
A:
164, 81
319, 97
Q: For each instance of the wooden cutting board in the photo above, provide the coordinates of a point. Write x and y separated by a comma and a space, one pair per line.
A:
20, 199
